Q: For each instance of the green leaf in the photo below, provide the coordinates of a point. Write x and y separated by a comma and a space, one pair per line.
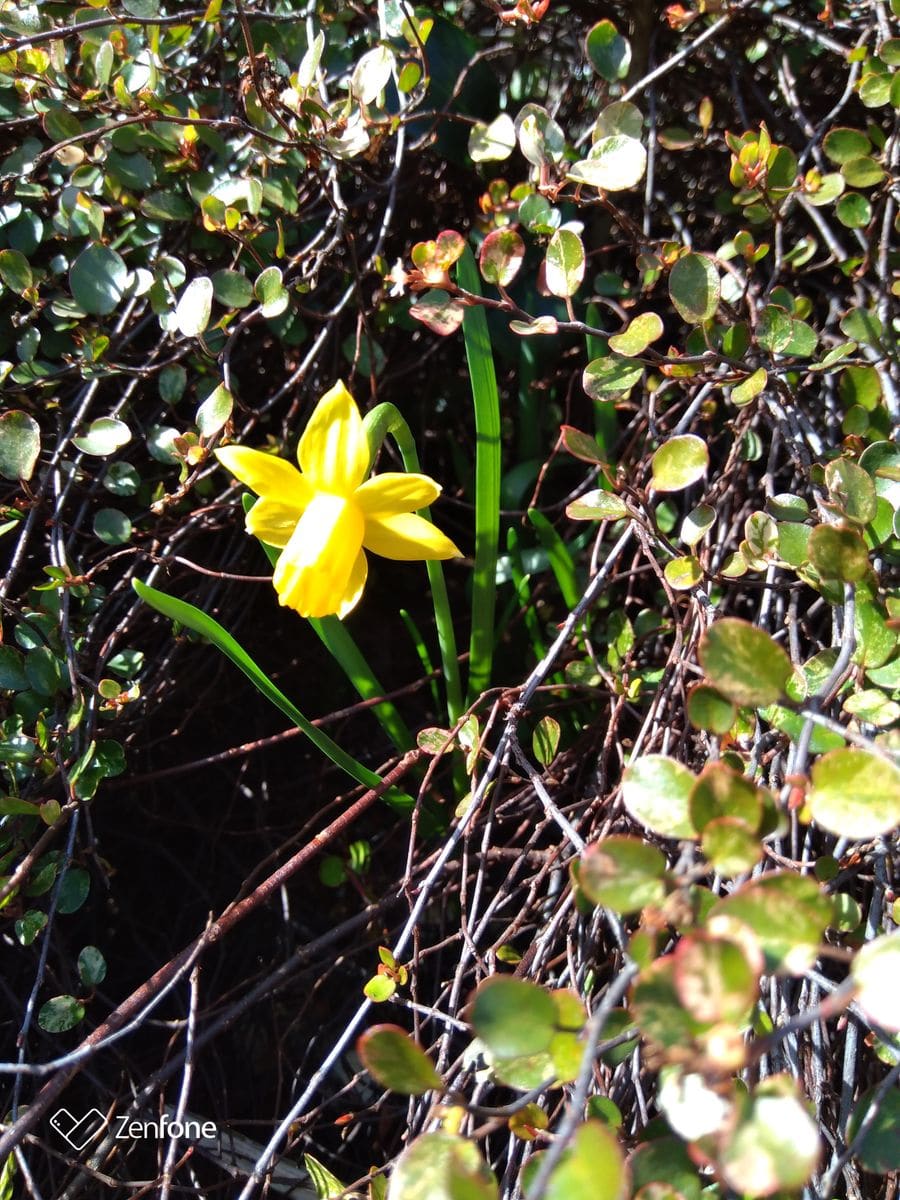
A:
788, 914
60, 1014
622, 873
15, 271
722, 792
46, 672
853, 210
608, 52
326, 1185
863, 172
194, 307
852, 490
379, 988
597, 506
232, 289
656, 791
171, 383
614, 164
12, 670
731, 847
774, 1145
545, 740
494, 142
714, 979
697, 524
166, 206
20, 444
271, 293
581, 445
708, 709
441, 1166
694, 288
214, 411
29, 925
592, 1167
879, 1150
744, 663
664, 1161
641, 332
774, 329
502, 254
486, 402
91, 966
838, 552
876, 973
540, 138
619, 117
396, 1061
439, 312
679, 462
564, 263
194, 619
74, 890
512, 1016
112, 526
372, 74
826, 189
98, 279
605, 377
683, 573
843, 144
855, 794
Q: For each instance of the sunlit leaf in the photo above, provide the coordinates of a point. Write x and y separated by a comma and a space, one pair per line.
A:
396, 1061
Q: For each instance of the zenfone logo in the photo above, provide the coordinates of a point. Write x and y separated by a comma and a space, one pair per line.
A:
77, 1131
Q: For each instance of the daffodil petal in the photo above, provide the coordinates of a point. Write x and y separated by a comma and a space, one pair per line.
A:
355, 585
273, 522
395, 492
266, 475
314, 570
407, 537
333, 452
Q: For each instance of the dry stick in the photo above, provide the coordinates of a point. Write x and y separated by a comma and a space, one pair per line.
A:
232, 915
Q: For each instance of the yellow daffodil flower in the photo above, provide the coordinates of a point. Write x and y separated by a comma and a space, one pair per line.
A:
325, 516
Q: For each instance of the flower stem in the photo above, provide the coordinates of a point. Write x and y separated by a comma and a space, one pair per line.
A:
387, 419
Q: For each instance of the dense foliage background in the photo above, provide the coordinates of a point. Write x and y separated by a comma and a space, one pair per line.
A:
665, 814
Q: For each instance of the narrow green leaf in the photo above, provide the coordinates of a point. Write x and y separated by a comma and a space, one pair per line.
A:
486, 401
196, 620
560, 559
335, 635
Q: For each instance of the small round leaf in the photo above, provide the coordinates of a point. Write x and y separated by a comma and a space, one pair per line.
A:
744, 663
194, 307
20, 444
679, 462
656, 791
60, 1014
614, 164
564, 263
513, 1017
694, 287
98, 279
396, 1061
855, 794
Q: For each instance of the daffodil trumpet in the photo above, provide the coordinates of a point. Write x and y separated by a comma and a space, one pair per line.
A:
324, 517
